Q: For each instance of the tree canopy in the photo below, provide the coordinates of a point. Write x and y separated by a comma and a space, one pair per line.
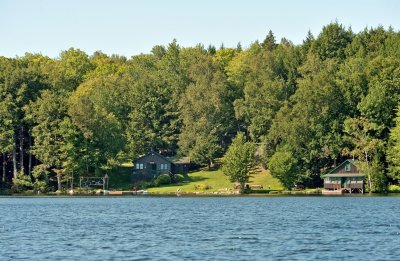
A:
310, 105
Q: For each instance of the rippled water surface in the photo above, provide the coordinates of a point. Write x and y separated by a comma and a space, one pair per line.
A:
202, 228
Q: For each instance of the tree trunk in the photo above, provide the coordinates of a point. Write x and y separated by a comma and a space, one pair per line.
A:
3, 178
14, 158
59, 182
30, 156
369, 174
21, 148
242, 187
210, 164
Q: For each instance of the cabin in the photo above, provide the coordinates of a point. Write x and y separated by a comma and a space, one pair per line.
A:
344, 178
154, 164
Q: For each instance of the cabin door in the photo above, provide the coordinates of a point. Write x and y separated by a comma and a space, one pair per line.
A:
344, 182
153, 168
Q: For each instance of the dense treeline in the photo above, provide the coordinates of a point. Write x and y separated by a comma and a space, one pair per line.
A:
310, 106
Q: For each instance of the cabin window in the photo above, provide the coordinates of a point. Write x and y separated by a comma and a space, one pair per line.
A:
139, 166
347, 167
164, 166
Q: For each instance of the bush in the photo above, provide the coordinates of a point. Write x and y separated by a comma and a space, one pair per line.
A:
178, 178
142, 184
284, 167
202, 186
22, 183
163, 179
5, 191
394, 188
40, 185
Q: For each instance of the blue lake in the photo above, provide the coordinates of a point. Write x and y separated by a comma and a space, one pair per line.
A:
200, 228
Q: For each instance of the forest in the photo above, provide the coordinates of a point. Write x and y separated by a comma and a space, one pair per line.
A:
307, 106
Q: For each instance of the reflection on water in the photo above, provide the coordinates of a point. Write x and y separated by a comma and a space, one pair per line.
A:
203, 228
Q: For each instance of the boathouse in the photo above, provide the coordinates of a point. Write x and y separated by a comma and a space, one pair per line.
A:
154, 164
344, 178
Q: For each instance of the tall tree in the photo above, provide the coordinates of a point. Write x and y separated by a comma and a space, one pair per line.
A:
332, 41
393, 149
269, 42
362, 135
48, 112
206, 112
6, 133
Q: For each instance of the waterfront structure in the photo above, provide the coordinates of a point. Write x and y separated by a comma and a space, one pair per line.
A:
154, 164
344, 178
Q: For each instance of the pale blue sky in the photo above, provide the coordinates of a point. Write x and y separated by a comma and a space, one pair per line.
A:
132, 27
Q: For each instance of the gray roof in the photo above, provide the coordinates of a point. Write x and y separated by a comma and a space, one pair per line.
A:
180, 160
174, 160
344, 175
349, 160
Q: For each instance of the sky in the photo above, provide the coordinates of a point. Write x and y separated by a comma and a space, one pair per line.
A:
129, 27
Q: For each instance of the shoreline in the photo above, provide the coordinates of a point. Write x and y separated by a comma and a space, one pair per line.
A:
64, 195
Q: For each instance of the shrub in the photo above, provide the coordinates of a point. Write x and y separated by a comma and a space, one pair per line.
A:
163, 179
394, 188
142, 184
40, 185
21, 183
202, 186
5, 191
179, 178
284, 167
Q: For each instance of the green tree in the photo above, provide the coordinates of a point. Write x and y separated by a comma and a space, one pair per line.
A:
283, 166
206, 112
361, 133
6, 133
310, 123
332, 41
69, 71
239, 161
375, 172
94, 111
393, 148
379, 104
48, 112
269, 42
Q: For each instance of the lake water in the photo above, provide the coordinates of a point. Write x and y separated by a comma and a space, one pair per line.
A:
200, 228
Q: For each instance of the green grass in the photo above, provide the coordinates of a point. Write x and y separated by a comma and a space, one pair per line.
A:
120, 180
217, 181
264, 178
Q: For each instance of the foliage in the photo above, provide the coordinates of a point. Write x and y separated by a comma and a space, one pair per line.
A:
394, 189
21, 183
239, 160
163, 179
178, 178
41, 176
202, 186
393, 149
283, 166
333, 96
375, 174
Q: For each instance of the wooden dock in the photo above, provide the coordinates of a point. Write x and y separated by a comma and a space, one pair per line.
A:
332, 192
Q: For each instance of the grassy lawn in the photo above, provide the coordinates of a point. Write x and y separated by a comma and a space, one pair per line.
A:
120, 180
216, 180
